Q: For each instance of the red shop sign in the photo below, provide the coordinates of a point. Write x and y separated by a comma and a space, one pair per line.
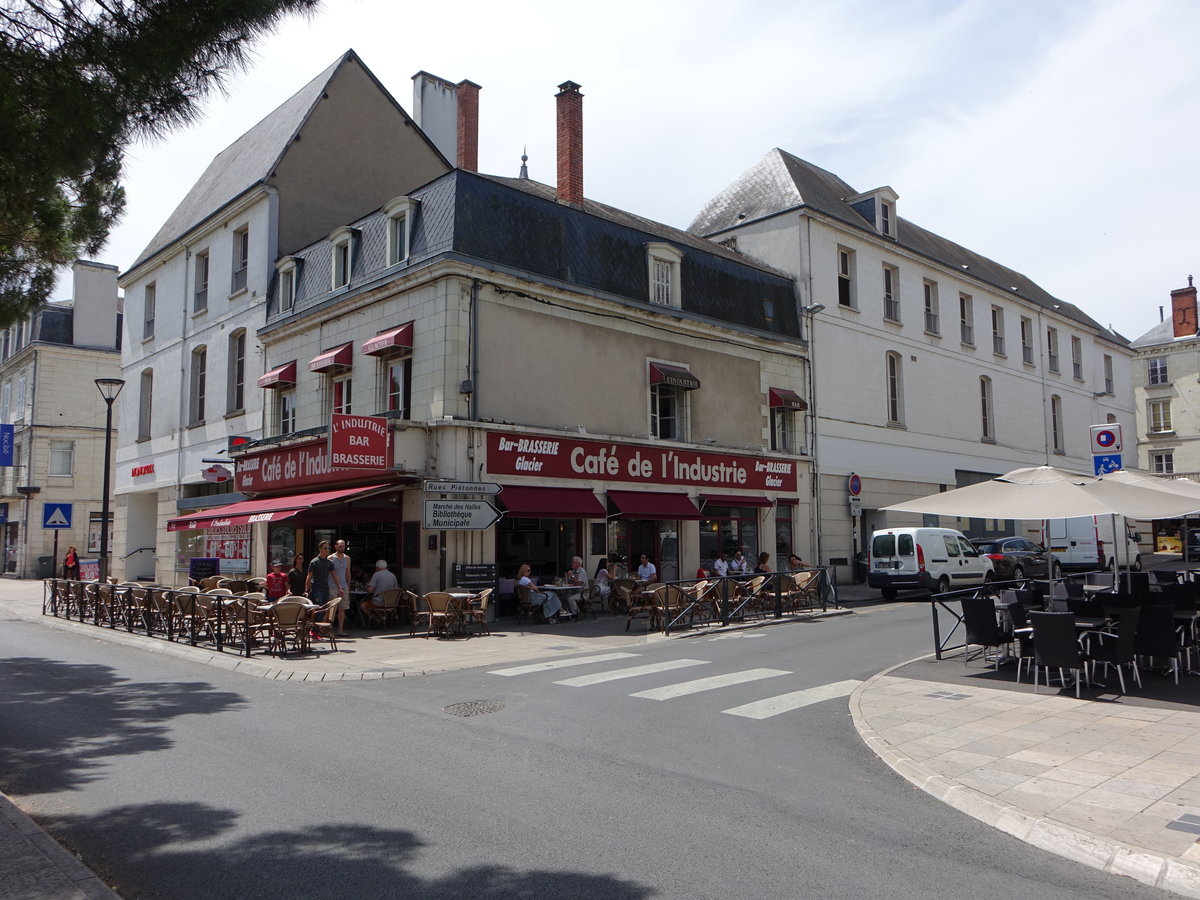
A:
562, 457
293, 468
359, 442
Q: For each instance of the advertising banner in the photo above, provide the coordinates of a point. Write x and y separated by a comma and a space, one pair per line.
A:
359, 442
231, 545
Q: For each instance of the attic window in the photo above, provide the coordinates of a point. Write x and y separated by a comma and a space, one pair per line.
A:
886, 211
343, 241
400, 214
288, 269
663, 262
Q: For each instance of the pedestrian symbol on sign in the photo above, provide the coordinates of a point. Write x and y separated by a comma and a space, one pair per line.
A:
56, 515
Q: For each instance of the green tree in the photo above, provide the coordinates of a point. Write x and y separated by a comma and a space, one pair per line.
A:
80, 80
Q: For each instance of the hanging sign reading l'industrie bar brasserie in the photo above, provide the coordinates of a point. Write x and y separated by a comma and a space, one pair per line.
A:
358, 442
558, 456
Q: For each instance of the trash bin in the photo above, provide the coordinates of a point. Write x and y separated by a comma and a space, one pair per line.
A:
45, 567
860, 567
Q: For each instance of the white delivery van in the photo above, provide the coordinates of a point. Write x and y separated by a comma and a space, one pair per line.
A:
1087, 543
930, 559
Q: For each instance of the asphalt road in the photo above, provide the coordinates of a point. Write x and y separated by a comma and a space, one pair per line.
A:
177, 780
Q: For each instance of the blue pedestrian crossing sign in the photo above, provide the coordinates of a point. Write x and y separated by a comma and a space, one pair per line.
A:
1105, 463
56, 515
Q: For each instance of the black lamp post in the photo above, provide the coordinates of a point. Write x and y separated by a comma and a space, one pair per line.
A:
109, 388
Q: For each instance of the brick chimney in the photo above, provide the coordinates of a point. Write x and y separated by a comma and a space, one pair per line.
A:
570, 143
1183, 311
467, 96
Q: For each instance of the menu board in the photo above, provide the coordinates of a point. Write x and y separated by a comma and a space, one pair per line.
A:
474, 576
200, 567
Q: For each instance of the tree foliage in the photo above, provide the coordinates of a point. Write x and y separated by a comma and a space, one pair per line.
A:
80, 80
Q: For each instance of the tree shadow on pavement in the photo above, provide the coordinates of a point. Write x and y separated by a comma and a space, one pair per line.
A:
60, 723
343, 859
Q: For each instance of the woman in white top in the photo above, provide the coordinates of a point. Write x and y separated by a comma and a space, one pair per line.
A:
604, 580
549, 603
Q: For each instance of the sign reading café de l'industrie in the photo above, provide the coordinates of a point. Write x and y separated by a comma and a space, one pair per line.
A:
558, 456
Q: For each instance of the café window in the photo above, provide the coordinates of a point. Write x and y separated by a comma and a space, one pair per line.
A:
728, 528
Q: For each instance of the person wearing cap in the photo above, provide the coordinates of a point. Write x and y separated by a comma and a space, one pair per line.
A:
382, 580
276, 581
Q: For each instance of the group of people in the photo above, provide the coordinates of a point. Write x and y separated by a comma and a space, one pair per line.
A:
725, 565
565, 608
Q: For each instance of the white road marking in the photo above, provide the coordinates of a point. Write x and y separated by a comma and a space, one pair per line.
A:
633, 672
773, 706
684, 688
734, 636
561, 663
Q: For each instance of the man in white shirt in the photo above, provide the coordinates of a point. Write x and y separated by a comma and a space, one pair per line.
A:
646, 570
720, 566
576, 576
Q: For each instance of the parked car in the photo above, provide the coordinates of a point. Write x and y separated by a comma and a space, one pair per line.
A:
1015, 557
931, 559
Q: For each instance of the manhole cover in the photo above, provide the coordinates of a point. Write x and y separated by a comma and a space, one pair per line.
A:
474, 708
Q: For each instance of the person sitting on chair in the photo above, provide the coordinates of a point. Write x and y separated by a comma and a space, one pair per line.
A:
549, 603
382, 580
646, 571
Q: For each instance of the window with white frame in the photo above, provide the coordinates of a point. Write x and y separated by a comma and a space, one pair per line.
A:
1052, 349
200, 292
62, 459
894, 389
19, 399
1056, 423
341, 389
1077, 358
932, 325
997, 331
1163, 463
1027, 341
396, 372
987, 416
236, 399
966, 319
342, 242
199, 382
148, 311
1156, 370
664, 262
1108, 374
1160, 416
241, 259
845, 262
783, 429
20, 336
887, 214
6, 403
288, 269
145, 404
668, 412
891, 293
285, 411
400, 214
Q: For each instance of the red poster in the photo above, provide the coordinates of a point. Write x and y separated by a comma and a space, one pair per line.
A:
563, 457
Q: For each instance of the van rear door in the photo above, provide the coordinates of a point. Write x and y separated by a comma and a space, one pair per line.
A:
893, 552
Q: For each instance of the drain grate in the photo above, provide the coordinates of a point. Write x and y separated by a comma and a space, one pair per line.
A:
947, 695
474, 708
1187, 822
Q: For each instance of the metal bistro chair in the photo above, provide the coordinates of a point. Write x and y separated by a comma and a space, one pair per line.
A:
982, 628
1056, 646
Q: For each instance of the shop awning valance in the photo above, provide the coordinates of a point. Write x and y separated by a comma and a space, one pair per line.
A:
397, 339
271, 509
675, 376
640, 505
733, 500
784, 399
278, 379
341, 358
552, 503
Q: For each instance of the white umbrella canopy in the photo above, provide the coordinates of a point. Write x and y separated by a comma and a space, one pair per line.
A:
1046, 492
1181, 487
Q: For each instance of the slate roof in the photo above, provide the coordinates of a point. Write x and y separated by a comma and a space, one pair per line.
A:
1161, 334
781, 182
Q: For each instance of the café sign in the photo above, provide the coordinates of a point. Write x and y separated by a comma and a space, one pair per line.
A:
359, 442
298, 466
563, 457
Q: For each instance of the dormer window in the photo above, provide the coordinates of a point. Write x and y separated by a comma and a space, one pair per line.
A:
879, 208
289, 270
343, 241
400, 214
663, 261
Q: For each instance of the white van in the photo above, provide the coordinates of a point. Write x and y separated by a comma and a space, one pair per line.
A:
1086, 543
931, 559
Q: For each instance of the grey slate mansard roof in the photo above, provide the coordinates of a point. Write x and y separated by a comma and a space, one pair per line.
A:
780, 182
1161, 334
519, 225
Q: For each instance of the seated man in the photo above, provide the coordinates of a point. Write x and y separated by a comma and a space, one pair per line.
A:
720, 566
646, 571
577, 575
382, 580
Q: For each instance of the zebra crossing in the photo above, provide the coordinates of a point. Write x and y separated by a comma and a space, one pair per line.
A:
766, 708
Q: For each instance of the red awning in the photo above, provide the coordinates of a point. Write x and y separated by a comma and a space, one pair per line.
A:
283, 377
784, 399
552, 503
397, 339
341, 358
638, 505
734, 500
676, 376
273, 509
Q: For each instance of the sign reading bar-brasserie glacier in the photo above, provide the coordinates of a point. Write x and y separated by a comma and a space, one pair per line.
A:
563, 457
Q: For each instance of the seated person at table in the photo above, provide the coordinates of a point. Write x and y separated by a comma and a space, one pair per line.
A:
738, 565
604, 579
616, 568
764, 563
576, 575
646, 571
276, 581
382, 580
549, 603
795, 562
720, 566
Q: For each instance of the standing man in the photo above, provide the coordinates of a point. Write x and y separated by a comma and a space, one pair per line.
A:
646, 571
341, 584
319, 580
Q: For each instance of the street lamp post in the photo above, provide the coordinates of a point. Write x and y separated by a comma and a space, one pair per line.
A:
109, 388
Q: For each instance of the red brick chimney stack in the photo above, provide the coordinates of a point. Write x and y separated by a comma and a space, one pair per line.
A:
1183, 311
466, 95
570, 143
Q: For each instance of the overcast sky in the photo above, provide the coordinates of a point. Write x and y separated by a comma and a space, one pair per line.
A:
1057, 137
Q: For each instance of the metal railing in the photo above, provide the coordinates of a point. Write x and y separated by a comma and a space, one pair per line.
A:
721, 600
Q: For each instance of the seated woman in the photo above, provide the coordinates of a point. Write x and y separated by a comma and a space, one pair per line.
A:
764, 563
604, 580
549, 603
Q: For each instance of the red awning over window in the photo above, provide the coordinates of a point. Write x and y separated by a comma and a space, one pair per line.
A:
675, 376
734, 500
638, 505
341, 358
552, 503
397, 339
274, 509
784, 399
283, 377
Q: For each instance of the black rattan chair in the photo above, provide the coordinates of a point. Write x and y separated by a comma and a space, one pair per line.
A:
1056, 647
